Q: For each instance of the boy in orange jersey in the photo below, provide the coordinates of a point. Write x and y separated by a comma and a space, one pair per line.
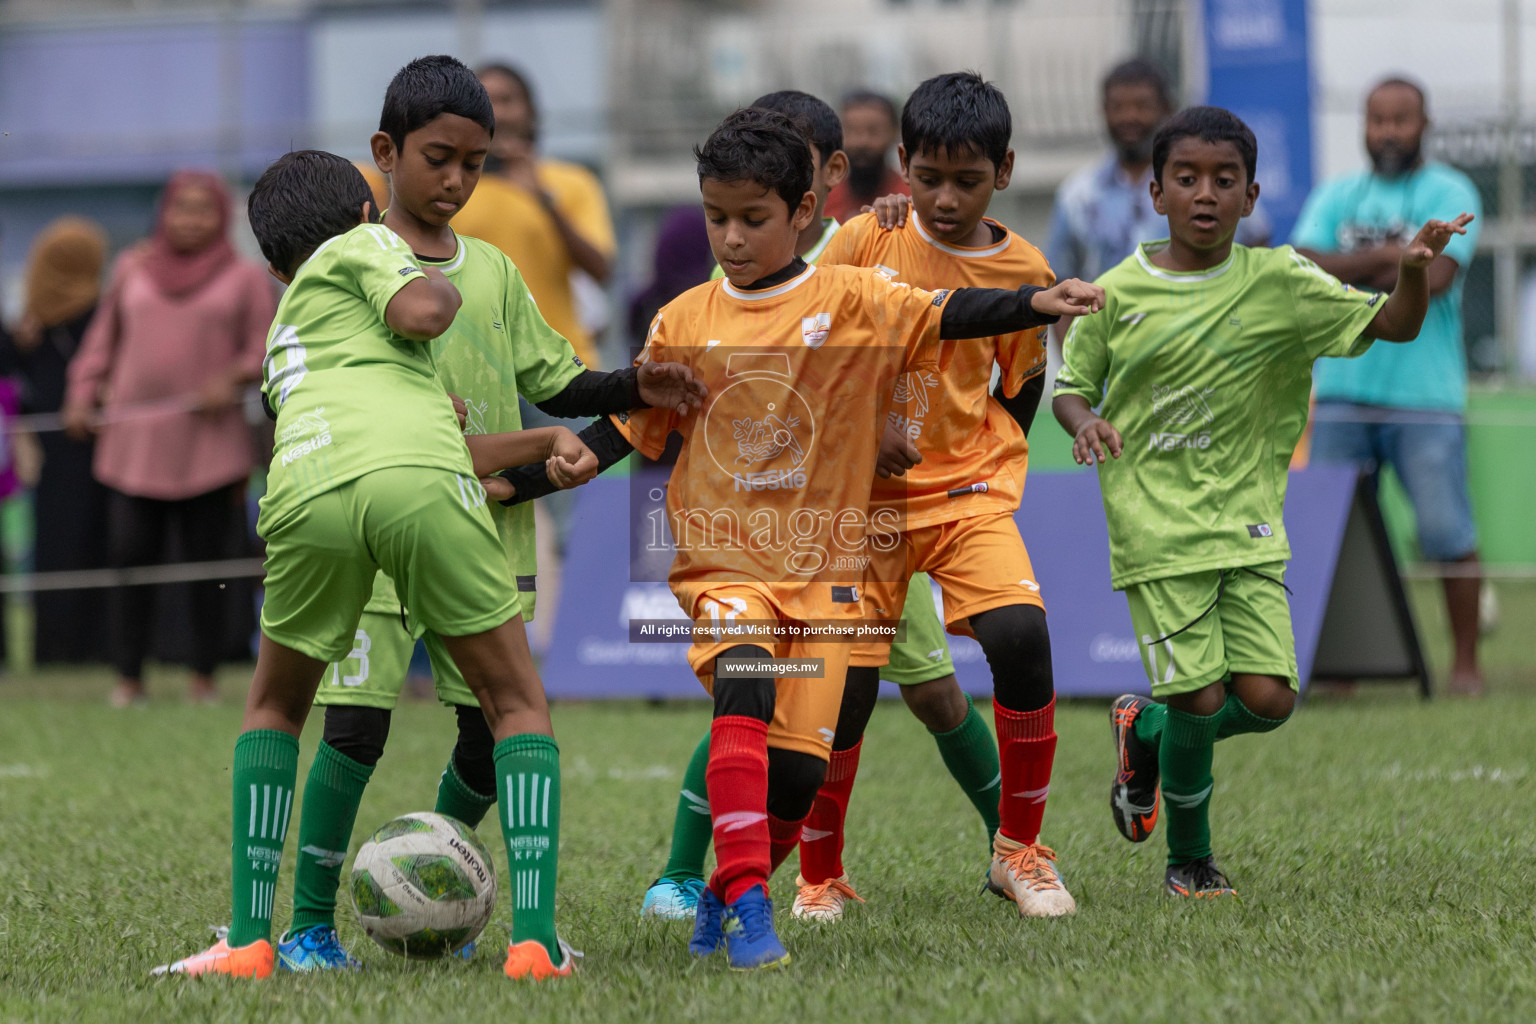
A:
956, 506
771, 487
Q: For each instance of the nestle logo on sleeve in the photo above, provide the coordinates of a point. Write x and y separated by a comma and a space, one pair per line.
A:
407, 271
1260, 530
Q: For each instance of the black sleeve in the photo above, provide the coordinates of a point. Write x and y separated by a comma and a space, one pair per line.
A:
592, 393
1023, 406
602, 437
266, 407
983, 312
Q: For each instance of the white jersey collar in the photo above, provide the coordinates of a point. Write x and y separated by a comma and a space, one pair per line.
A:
1188, 277
769, 293
955, 250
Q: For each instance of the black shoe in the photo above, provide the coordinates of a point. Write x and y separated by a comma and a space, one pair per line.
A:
1197, 878
1133, 799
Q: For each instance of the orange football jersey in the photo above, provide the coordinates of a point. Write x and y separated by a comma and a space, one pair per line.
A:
974, 453
773, 482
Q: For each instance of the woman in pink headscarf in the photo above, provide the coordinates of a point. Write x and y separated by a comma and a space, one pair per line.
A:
159, 377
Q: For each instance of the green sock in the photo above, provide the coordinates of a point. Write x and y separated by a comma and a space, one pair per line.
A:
266, 766
456, 799
332, 792
691, 826
1184, 759
528, 789
970, 754
1149, 724
1237, 719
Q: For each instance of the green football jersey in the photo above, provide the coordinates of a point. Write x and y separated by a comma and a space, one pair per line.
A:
351, 396
498, 348
1207, 376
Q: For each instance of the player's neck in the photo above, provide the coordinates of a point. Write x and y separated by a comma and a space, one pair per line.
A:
434, 241
1182, 258
812, 234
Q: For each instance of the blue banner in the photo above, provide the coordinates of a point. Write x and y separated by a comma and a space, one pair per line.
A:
1256, 53
1094, 651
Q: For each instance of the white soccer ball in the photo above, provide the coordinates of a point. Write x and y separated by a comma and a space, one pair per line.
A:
423, 886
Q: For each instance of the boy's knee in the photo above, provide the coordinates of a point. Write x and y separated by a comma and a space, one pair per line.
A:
1269, 697
793, 779
1018, 649
861, 691
357, 732
744, 696
938, 703
474, 753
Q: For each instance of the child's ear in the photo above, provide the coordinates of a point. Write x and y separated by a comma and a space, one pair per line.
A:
285, 278
368, 214
1253, 197
1157, 198
836, 170
801, 216
1004, 172
384, 152
901, 158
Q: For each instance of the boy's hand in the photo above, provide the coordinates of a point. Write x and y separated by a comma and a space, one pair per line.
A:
1432, 240
890, 211
897, 453
79, 420
460, 410
498, 488
1091, 440
570, 463
671, 386
1070, 297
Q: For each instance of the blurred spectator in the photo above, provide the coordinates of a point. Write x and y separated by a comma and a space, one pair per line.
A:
63, 285
160, 376
550, 217
871, 128
1402, 404
1104, 211
683, 259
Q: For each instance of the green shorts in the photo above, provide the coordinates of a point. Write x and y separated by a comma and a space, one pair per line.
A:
1198, 629
374, 673
424, 527
924, 655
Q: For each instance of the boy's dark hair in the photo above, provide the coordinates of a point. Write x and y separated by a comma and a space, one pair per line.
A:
428, 87
825, 128
957, 113
761, 146
1213, 124
300, 201
870, 98
1140, 71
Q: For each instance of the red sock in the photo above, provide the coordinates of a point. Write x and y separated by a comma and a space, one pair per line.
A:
821, 843
782, 837
737, 778
1026, 743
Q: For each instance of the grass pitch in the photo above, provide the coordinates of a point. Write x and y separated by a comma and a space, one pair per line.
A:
1382, 847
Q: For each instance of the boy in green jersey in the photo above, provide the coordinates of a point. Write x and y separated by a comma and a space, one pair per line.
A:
431, 141
1200, 368
370, 472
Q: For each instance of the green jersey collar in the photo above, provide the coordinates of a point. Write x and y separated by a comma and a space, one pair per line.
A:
828, 229
450, 265
1146, 249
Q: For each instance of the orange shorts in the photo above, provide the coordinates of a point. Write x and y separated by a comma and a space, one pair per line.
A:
805, 710
979, 562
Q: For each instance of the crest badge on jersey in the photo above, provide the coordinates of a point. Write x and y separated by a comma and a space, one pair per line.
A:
814, 329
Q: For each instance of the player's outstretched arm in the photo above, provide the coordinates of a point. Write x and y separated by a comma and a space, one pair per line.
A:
424, 308
1401, 316
983, 312
555, 450
650, 385
1091, 434
528, 482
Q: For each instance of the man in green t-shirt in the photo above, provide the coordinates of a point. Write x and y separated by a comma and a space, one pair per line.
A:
498, 348
367, 452
1201, 367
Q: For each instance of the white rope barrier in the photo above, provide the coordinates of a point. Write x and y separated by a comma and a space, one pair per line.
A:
97, 579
